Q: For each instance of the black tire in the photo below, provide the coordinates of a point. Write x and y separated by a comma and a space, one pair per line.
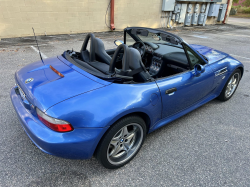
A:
222, 95
131, 123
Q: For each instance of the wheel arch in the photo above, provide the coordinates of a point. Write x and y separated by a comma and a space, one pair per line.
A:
143, 115
242, 71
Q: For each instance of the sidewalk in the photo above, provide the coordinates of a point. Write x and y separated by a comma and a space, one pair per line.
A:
239, 21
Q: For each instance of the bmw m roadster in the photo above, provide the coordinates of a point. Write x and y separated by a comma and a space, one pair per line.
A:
104, 102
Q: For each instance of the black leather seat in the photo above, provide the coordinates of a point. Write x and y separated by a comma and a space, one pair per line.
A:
100, 53
138, 70
97, 50
132, 65
88, 55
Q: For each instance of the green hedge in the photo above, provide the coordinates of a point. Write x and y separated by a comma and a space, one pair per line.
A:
242, 9
246, 11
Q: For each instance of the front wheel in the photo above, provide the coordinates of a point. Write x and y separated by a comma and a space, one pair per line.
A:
230, 86
122, 142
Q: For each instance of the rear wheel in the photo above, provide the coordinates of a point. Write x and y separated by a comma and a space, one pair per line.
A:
230, 86
122, 142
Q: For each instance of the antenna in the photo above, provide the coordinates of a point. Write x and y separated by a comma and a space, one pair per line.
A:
37, 46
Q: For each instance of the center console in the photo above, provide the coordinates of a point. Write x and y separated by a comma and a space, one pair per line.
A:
156, 64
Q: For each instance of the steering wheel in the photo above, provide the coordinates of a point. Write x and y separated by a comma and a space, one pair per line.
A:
141, 51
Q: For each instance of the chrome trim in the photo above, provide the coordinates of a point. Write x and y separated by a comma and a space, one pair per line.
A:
221, 71
23, 95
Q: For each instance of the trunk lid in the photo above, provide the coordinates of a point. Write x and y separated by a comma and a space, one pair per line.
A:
211, 54
47, 87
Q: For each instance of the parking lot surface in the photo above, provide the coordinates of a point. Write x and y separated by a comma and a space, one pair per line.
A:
207, 147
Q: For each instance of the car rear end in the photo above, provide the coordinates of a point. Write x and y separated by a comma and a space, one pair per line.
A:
37, 88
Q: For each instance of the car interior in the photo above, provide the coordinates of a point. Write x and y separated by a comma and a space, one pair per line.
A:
161, 55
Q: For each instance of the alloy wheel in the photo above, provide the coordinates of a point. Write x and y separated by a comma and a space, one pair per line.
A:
232, 85
125, 143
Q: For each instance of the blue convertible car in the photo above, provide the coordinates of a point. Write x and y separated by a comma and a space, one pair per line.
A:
104, 102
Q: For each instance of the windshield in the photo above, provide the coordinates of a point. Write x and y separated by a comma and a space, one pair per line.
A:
152, 36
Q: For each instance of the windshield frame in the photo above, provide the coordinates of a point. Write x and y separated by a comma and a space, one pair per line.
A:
180, 41
154, 31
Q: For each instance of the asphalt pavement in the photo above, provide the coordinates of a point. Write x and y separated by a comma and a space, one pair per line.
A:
208, 147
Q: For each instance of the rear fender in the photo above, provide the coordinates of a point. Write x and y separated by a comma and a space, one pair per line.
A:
104, 106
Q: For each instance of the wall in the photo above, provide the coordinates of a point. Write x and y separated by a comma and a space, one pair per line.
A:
75, 16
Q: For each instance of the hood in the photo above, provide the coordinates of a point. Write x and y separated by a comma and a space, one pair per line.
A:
212, 55
47, 87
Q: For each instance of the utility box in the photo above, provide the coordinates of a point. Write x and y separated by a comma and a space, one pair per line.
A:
177, 8
222, 12
168, 5
196, 8
201, 18
194, 19
189, 8
182, 13
213, 10
203, 8
188, 19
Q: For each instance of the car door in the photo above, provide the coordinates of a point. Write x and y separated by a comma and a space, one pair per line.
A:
182, 90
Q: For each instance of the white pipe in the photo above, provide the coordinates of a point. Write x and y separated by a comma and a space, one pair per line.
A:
205, 18
166, 19
162, 19
170, 18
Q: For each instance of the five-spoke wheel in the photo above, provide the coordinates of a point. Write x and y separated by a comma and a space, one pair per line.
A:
125, 143
230, 86
122, 142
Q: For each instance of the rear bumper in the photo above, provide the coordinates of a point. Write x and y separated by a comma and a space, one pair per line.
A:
77, 144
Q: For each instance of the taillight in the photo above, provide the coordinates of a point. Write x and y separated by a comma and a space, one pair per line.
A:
53, 123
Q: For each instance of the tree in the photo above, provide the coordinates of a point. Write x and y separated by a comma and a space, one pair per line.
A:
246, 3
235, 1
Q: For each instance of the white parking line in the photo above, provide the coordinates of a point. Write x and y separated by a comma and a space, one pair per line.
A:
240, 56
36, 50
237, 35
197, 36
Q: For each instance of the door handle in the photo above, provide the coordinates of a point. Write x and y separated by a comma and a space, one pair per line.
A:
171, 90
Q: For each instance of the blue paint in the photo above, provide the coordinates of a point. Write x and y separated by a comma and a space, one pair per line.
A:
92, 105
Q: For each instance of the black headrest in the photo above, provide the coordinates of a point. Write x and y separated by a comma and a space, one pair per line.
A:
98, 44
135, 64
133, 58
100, 52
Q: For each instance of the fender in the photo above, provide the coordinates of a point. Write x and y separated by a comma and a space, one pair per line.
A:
102, 107
230, 64
132, 111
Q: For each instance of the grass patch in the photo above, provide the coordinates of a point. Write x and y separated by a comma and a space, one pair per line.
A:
239, 15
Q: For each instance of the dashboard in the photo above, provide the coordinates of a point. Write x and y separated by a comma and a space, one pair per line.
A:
148, 48
156, 60
159, 55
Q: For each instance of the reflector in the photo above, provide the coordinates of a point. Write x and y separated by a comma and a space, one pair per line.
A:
57, 72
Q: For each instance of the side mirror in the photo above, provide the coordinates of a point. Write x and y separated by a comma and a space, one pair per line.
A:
118, 42
198, 70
